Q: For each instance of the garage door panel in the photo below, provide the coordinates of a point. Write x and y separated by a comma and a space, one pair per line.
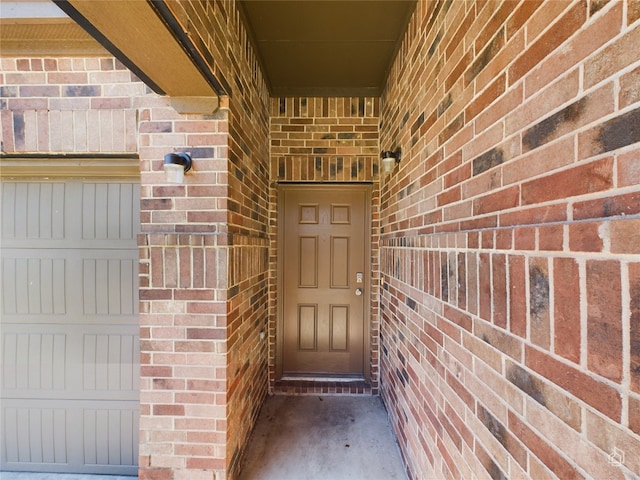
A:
33, 210
33, 361
110, 362
52, 361
43, 441
38, 282
69, 343
107, 432
110, 436
108, 286
33, 285
107, 211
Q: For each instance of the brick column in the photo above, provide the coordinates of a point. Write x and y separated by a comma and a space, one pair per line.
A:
183, 292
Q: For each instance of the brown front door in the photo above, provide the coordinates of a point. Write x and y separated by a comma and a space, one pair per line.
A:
324, 251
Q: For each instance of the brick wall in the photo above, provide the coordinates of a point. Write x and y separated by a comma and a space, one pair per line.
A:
68, 105
316, 140
509, 244
220, 220
183, 291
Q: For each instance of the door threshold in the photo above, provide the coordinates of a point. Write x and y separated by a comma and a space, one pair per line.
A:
312, 385
320, 378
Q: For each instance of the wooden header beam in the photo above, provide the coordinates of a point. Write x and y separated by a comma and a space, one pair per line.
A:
134, 32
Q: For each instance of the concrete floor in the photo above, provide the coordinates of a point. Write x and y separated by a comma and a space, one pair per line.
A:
317, 437
306, 438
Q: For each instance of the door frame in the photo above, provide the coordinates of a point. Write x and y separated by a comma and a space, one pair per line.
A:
367, 188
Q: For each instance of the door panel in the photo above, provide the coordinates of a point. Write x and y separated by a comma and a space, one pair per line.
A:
323, 246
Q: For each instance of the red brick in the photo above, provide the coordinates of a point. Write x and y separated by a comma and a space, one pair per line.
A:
207, 333
612, 59
450, 196
608, 436
551, 237
566, 305
604, 313
580, 46
195, 398
625, 236
195, 293
524, 238
457, 317
542, 450
560, 31
499, 339
599, 395
567, 120
487, 463
195, 346
539, 302
585, 237
472, 283
484, 279
206, 385
500, 108
549, 157
614, 205
155, 473
499, 290
156, 371
175, 410
629, 168
634, 294
523, 13
501, 200
589, 178
460, 390
206, 307
155, 294
488, 96
634, 415
458, 175
629, 88
461, 30
492, 25
457, 71
206, 463
503, 239
534, 215
517, 297
462, 282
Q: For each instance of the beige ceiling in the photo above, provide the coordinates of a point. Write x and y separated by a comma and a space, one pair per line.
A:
327, 47
306, 47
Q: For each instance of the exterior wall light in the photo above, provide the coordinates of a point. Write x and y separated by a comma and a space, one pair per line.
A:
175, 166
389, 160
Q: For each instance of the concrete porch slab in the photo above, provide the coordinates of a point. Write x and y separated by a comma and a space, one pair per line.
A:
323, 437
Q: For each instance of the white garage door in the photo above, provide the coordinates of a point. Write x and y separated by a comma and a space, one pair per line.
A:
69, 338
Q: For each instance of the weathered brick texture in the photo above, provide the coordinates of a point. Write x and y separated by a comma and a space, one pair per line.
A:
223, 288
68, 105
509, 353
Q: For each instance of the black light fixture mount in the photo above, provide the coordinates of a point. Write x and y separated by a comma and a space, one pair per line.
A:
176, 165
389, 160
